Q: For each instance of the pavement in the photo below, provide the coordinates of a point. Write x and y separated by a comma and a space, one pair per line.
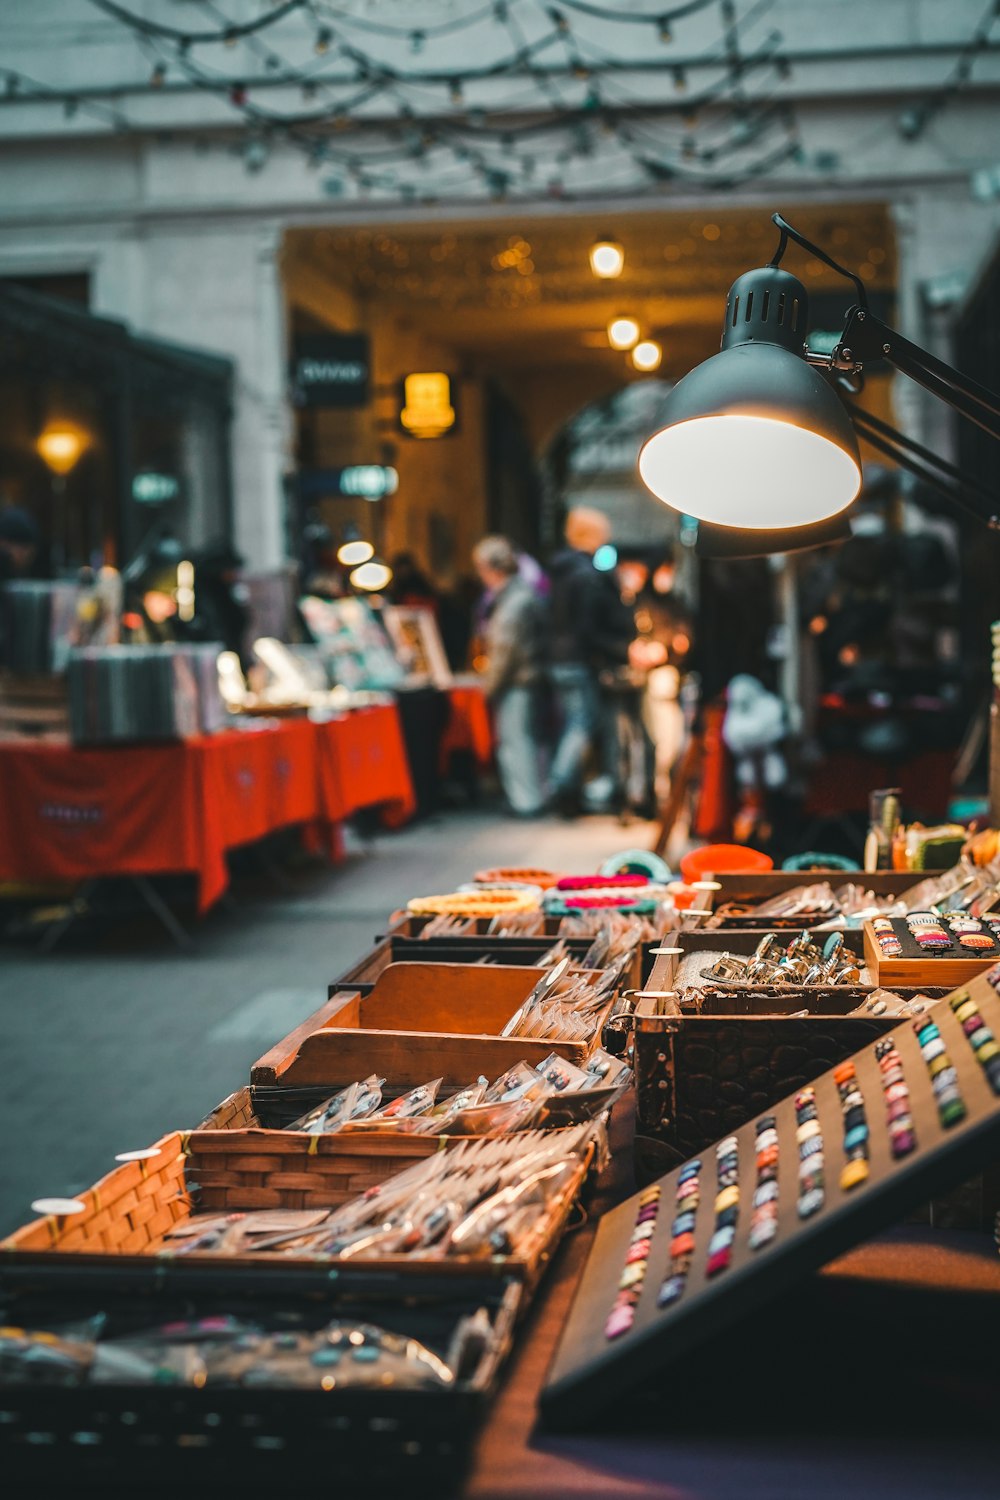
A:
119, 1037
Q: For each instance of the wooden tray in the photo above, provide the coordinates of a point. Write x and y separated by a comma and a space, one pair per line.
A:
922, 969
418, 1021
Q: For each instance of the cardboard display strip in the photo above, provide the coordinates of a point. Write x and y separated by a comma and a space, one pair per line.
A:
907, 1116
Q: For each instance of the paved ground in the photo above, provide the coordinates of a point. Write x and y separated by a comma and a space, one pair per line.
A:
109, 1043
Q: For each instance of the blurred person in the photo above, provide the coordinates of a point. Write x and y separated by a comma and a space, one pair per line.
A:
20, 544
221, 606
590, 632
753, 730
410, 585
512, 677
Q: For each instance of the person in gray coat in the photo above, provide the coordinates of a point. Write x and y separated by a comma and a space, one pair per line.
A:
515, 663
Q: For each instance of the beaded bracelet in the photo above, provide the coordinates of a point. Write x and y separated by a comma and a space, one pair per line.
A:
622, 1314
852, 1104
943, 1074
899, 1116
979, 1036
727, 1206
808, 1133
686, 1200
764, 1217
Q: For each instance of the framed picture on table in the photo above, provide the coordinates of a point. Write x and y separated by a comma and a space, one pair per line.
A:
414, 633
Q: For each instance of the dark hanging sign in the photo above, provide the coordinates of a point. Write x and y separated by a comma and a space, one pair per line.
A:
330, 369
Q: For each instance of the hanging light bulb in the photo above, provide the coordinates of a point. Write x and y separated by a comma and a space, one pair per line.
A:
354, 552
607, 258
623, 332
371, 576
647, 355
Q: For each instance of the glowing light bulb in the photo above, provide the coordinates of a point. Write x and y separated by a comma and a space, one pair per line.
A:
371, 576
623, 332
355, 552
647, 355
607, 259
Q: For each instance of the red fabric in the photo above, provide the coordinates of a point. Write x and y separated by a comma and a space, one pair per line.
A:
68, 814
587, 882
362, 763
469, 727
713, 815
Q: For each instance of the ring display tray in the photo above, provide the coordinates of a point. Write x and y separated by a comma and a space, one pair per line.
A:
915, 965
941, 1133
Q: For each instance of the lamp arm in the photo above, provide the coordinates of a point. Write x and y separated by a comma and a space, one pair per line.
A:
866, 337
958, 487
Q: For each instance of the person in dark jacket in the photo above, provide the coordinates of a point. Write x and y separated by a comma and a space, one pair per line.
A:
514, 652
590, 633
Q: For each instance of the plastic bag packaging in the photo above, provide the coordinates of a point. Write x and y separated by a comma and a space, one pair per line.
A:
355, 1102
345, 1354
563, 1076
519, 1082
494, 1118
38, 1357
403, 1114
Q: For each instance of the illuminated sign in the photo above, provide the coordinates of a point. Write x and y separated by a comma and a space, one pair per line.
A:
427, 409
358, 482
330, 369
152, 488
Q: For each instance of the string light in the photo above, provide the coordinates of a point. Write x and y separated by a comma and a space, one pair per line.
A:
158, 76
324, 38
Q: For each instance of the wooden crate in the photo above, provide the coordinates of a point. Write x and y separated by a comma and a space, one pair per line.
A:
129, 1213
418, 1021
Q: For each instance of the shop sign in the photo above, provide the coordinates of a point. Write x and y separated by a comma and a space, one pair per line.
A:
151, 487
358, 482
330, 369
427, 409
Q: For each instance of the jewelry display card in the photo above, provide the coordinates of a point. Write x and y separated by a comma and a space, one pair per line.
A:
907, 1116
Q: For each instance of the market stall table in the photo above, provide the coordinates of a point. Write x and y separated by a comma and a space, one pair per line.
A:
362, 763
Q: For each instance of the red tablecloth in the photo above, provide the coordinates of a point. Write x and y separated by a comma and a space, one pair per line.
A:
469, 726
69, 814
362, 763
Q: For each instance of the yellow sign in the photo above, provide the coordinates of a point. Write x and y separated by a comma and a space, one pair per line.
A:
427, 411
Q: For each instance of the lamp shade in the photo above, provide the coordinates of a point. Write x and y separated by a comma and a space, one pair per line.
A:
734, 542
754, 437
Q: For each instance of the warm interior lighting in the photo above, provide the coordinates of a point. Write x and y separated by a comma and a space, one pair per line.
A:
607, 258
60, 447
753, 472
371, 576
623, 332
647, 355
185, 590
353, 552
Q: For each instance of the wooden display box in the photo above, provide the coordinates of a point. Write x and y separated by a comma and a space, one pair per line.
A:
129, 1214
751, 890
510, 952
418, 1021
742, 943
916, 967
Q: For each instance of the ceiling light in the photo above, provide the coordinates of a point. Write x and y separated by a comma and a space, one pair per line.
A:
647, 355
623, 332
371, 576
354, 552
607, 258
60, 447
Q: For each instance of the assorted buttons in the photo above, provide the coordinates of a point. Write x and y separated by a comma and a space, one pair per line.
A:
727, 1206
852, 1103
764, 1211
936, 934
686, 1200
979, 1036
943, 1074
808, 1133
622, 1314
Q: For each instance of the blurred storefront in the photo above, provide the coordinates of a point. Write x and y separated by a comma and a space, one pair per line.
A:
104, 434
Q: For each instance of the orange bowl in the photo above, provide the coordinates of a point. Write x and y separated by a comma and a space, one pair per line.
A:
724, 859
